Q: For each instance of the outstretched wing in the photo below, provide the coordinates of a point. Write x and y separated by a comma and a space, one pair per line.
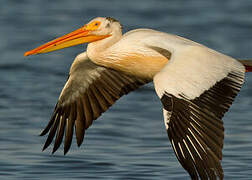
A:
89, 91
195, 92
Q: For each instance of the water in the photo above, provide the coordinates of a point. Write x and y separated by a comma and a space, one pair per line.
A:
129, 141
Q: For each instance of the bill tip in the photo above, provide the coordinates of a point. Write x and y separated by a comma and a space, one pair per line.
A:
27, 53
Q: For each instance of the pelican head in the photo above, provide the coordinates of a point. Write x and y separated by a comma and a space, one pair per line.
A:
103, 26
97, 29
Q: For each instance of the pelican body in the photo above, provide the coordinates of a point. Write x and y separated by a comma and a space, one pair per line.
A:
195, 84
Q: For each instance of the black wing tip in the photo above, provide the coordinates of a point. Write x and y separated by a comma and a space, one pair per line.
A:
44, 147
55, 148
80, 138
47, 143
43, 133
79, 143
66, 149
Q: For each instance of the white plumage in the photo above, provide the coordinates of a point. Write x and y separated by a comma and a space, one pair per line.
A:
193, 70
195, 84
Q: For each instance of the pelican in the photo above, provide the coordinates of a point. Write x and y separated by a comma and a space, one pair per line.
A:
195, 84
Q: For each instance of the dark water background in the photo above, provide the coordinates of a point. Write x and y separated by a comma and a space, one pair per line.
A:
129, 141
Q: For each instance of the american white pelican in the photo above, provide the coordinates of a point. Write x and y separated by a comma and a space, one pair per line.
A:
196, 86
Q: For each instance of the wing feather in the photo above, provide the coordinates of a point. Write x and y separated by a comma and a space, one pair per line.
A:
194, 101
60, 133
89, 91
69, 128
79, 123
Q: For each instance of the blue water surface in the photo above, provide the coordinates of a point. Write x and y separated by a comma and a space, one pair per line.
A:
129, 141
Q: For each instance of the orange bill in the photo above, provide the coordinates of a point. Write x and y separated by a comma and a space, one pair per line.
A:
79, 36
